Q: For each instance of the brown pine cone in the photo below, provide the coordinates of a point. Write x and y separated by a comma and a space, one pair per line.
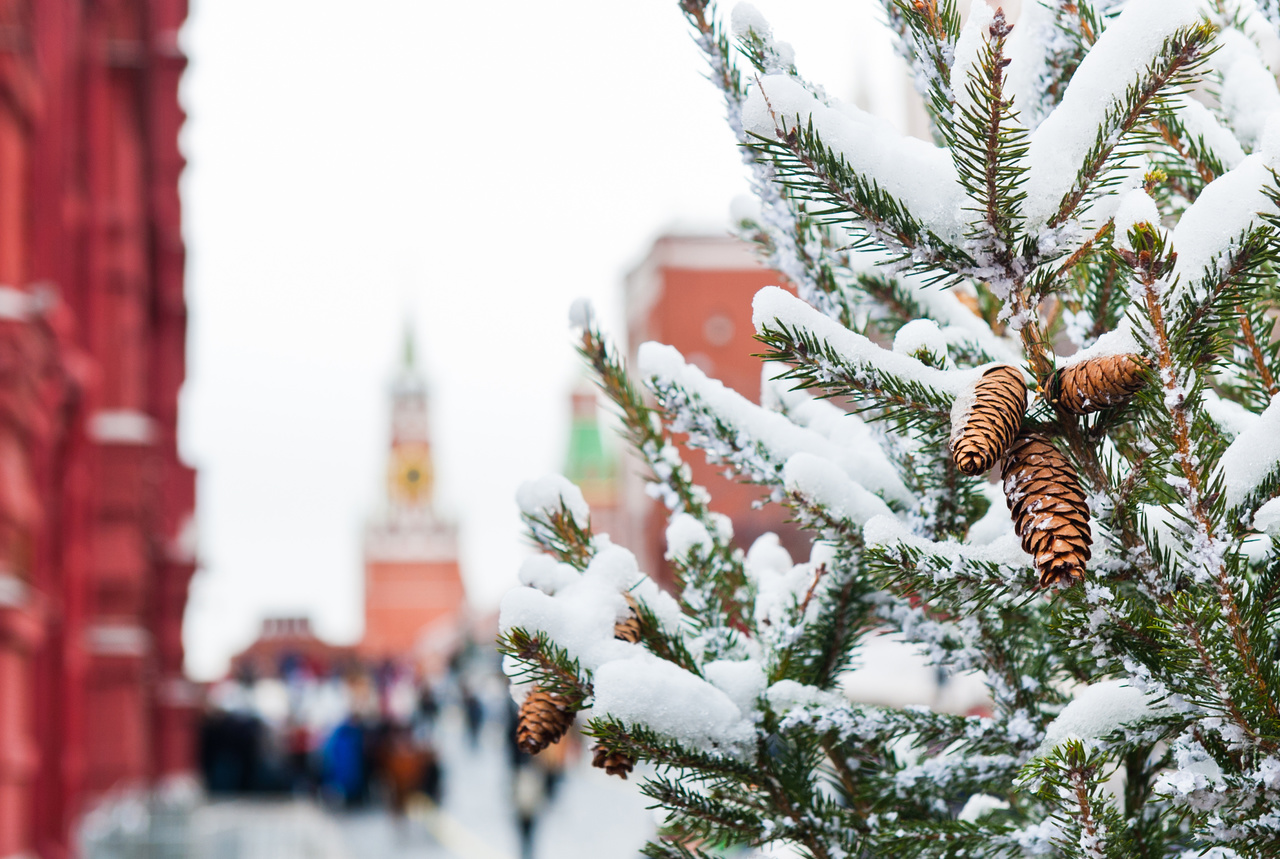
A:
544, 718
1097, 383
614, 764
629, 629
1049, 509
994, 418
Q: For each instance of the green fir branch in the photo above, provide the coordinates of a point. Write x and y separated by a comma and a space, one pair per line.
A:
805, 166
1172, 71
547, 665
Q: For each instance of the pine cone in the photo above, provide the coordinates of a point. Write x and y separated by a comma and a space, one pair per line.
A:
614, 764
629, 629
993, 419
1096, 383
544, 718
1049, 508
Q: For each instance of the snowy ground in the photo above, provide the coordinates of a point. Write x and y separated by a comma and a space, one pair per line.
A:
592, 816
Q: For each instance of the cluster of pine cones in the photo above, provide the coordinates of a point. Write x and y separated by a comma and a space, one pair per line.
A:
1042, 489
545, 717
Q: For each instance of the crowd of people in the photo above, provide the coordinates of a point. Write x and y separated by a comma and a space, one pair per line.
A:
356, 737
349, 737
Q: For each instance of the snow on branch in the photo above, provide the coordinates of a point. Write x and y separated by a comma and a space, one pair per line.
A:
895, 551
1248, 94
1250, 466
827, 355
902, 193
1217, 239
1072, 148
730, 428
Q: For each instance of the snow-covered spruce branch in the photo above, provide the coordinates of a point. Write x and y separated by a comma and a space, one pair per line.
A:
826, 356
719, 574
962, 575
1157, 664
558, 520
540, 662
1072, 151
789, 129
783, 228
990, 145
926, 38
1250, 467
826, 624
755, 442
1071, 779
1049, 42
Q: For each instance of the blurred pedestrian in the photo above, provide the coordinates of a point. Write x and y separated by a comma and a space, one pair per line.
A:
344, 775
473, 708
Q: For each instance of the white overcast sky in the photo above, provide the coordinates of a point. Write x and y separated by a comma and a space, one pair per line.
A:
469, 168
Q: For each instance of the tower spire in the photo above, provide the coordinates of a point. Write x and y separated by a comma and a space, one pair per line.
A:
410, 347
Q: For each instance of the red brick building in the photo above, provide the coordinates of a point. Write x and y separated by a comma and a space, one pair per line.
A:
694, 293
95, 505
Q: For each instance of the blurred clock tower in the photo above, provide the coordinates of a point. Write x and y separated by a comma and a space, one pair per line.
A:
412, 579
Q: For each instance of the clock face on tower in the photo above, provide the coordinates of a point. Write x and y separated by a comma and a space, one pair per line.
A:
411, 474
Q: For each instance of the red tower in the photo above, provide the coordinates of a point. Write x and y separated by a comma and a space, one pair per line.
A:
412, 581
95, 504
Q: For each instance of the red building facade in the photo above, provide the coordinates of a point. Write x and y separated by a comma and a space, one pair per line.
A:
95, 504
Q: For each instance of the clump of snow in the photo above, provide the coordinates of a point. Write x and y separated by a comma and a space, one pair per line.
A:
1098, 710
1253, 456
1248, 93
1267, 519
1195, 776
547, 495
1227, 207
781, 438
996, 523
1231, 417
767, 554
1200, 123
890, 531
922, 176
859, 450
980, 805
645, 690
684, 534
581, 614
773, 305
742, 680
813, 477
1027, 48
546, 574
746, 18
1119, 341
788, 694
1136, 207
1058, 146
582, 313
920, 335
746, 21
779, 584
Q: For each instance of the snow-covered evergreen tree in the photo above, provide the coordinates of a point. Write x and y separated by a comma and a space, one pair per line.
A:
1096, 217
